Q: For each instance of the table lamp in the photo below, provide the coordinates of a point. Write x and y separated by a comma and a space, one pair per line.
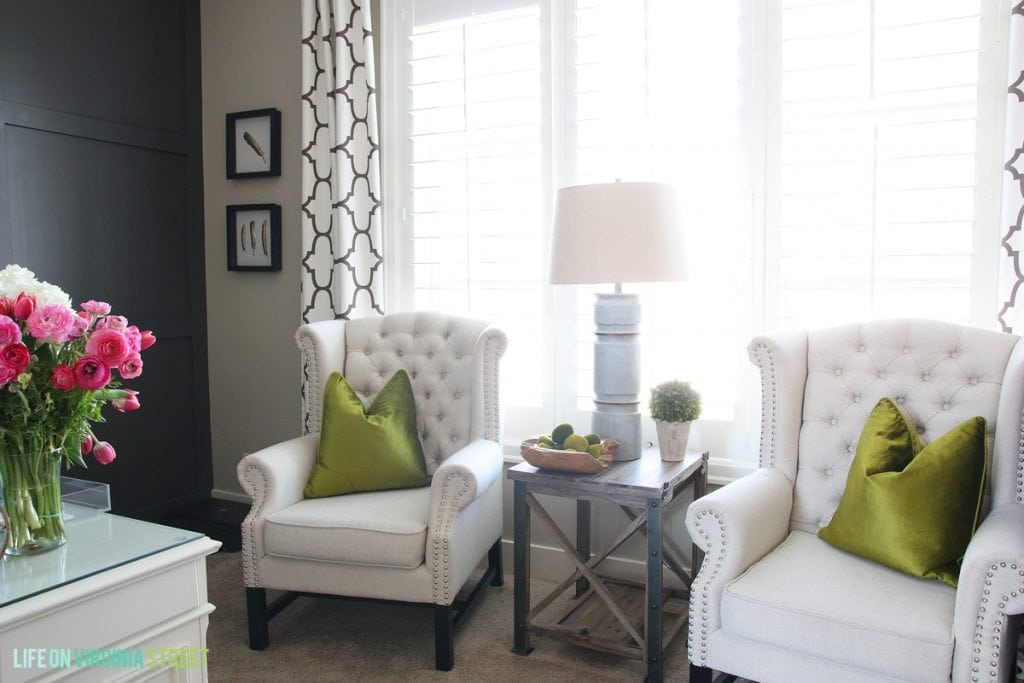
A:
615, 233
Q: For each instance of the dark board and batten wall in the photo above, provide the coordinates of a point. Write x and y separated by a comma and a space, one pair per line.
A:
101, 194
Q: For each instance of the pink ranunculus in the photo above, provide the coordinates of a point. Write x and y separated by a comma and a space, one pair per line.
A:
112, 322
134, 337
112, 346
54, 323
104, 453
128, 403
97, 308
86, 446
131, 367
16, 356
23, 306
91, 373
148, 339
10, 331
63, 378
7, 374
82, 322
6, 305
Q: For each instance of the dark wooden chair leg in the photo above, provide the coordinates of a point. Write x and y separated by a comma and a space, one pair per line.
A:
700, 674
444, 638
256, 606
494, 562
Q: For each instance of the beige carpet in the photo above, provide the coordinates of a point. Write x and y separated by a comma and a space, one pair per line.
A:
335, 640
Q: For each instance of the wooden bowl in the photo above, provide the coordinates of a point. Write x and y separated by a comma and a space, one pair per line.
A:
568, 461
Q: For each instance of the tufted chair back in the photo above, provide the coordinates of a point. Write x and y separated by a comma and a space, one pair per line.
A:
452, 363
939, 374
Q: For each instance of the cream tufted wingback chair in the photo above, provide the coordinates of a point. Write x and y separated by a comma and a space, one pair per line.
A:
411, 545
773, 602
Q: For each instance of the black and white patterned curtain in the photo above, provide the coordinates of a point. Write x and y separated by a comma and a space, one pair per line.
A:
1011, 294
342, 257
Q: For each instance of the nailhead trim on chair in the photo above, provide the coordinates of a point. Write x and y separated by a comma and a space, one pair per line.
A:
440, 558
1007, 604
494, 347
762, 357
311, 396
709, 569
258, 492
1020, 462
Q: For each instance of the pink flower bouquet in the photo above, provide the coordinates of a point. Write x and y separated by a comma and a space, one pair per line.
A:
58, 367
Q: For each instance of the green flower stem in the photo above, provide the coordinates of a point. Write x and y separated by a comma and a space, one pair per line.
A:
32, 497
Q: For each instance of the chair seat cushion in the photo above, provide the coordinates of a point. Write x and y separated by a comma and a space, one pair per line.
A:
382, 528
809, 597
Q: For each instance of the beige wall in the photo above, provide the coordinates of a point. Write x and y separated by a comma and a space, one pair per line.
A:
251, 60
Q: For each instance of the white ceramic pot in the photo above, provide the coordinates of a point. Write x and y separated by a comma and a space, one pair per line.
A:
672, 438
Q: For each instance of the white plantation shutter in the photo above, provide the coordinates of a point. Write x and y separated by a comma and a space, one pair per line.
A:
877, 110
472, 229
831, 155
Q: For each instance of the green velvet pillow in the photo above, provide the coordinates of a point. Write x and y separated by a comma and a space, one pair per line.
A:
909, 506
367, 449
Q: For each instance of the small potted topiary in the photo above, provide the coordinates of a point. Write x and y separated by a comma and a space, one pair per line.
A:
674, 406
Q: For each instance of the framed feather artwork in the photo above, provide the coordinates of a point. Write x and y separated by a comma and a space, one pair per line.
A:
254, 237
253, 143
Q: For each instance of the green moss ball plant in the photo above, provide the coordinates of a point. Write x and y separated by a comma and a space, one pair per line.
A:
674, 401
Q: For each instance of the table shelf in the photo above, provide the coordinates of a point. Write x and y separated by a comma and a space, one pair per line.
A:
608, 614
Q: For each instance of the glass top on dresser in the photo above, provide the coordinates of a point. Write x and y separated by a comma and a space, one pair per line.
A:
96, 543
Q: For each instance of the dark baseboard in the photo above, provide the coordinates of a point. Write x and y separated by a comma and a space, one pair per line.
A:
219, 519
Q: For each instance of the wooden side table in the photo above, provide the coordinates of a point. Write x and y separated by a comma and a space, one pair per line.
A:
642, 489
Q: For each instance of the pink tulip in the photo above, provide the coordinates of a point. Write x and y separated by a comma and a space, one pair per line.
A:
6, 305
24, 306
104, 453
128, 403
86, 445
147, 339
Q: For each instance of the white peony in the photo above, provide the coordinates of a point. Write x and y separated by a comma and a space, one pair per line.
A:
14, 280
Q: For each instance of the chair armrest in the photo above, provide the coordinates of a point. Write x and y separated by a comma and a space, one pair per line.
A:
456, 536
735, 526
462, 477
274, 478
990, 588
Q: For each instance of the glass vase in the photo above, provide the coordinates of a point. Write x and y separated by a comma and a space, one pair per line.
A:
31, 498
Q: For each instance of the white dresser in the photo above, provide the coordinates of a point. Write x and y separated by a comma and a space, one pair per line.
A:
121, 600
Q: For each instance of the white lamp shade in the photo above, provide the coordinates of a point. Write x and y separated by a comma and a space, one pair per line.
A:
617, 232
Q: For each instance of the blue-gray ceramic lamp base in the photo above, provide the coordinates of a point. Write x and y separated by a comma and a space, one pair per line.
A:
617, 372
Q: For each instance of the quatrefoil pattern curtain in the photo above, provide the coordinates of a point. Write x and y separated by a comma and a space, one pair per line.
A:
1011, 313
342, 259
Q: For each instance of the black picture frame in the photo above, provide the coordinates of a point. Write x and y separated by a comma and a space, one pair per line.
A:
254, 237
253, 143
